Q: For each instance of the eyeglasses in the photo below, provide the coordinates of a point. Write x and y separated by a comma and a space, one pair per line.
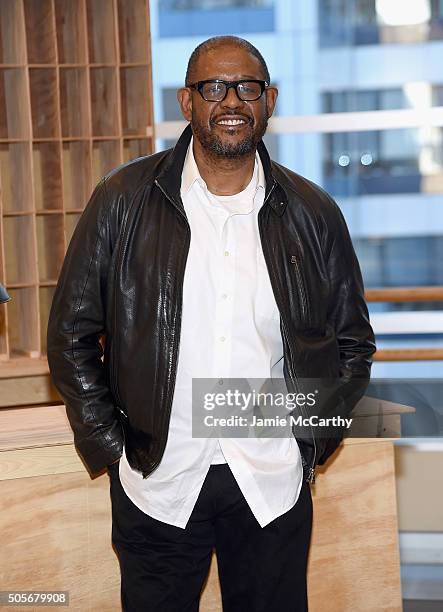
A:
216, 90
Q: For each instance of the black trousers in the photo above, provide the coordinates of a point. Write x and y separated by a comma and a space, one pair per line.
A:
163, 568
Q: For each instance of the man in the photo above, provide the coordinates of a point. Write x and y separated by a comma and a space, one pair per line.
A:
246, 267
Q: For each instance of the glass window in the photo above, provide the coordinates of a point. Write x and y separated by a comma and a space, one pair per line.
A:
364, 22
188, 5
214, 17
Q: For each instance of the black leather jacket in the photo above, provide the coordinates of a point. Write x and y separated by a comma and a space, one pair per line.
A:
122, 280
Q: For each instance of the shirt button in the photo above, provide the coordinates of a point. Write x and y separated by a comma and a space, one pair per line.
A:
226, 253
225, 296
222, 338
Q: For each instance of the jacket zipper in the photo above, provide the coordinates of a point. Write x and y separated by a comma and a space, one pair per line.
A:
302, 293
303, 301
176, 345
114, 381
311, 473
300, 285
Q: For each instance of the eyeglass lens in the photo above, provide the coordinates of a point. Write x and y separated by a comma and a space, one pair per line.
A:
217, 91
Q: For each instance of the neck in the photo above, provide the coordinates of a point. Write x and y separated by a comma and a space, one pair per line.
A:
222, 175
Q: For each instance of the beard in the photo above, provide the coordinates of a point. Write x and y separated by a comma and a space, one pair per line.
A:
219, 147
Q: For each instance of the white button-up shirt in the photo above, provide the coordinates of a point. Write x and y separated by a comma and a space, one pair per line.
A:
230, 329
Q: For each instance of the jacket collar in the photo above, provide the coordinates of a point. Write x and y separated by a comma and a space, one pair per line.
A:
169, 177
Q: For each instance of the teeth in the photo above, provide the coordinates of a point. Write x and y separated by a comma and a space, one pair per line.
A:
231, 122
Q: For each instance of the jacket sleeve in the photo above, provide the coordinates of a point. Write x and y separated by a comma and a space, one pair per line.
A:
76, 322
348, 314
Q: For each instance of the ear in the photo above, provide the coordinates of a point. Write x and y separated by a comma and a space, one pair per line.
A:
184, 97
271, 99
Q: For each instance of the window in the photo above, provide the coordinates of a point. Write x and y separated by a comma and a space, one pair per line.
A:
368, 22
214, 17
388, 161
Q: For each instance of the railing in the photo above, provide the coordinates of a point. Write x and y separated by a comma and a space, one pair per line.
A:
407, 294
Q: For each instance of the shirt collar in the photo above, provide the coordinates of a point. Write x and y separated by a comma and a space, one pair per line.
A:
190, 172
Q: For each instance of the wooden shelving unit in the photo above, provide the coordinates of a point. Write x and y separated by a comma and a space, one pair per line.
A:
75, 102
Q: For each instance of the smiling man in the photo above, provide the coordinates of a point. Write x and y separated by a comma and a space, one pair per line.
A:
208, 260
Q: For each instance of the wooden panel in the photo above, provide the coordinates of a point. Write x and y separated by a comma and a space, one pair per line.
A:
101, 32
404, 294
413, 354
355, 541
19, 250
40, 31
136, 110
57, 557
45, 426
77, 177
105, 157
23, 322
71, 221
13, 116
419, 489
74, 102
45, 120
50, 246
16, 178
133, 31
22, 367
12, 33
28, 390
71, 31
47, 169
136, 147
104, 101
45, 297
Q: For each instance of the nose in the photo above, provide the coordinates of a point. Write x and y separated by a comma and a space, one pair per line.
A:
232, 100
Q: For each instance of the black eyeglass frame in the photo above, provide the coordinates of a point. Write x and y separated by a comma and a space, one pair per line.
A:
198, 86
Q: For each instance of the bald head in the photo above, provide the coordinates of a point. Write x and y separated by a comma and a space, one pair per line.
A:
217, 42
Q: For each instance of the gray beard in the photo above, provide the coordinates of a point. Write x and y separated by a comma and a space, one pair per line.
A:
217, 148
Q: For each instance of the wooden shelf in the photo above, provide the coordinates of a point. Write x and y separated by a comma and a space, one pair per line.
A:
23, 323
45, 295
136, 100
133, 31
71, 221
47, 169
19, 245
50, 245
105, 120
75, 102
44, 102
101, 28
72, 44
16, 178
106, 155
45, 425
77, 174
14, 120
12, 33
40, 31
136, 147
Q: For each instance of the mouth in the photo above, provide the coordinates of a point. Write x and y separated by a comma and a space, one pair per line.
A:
232, 121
